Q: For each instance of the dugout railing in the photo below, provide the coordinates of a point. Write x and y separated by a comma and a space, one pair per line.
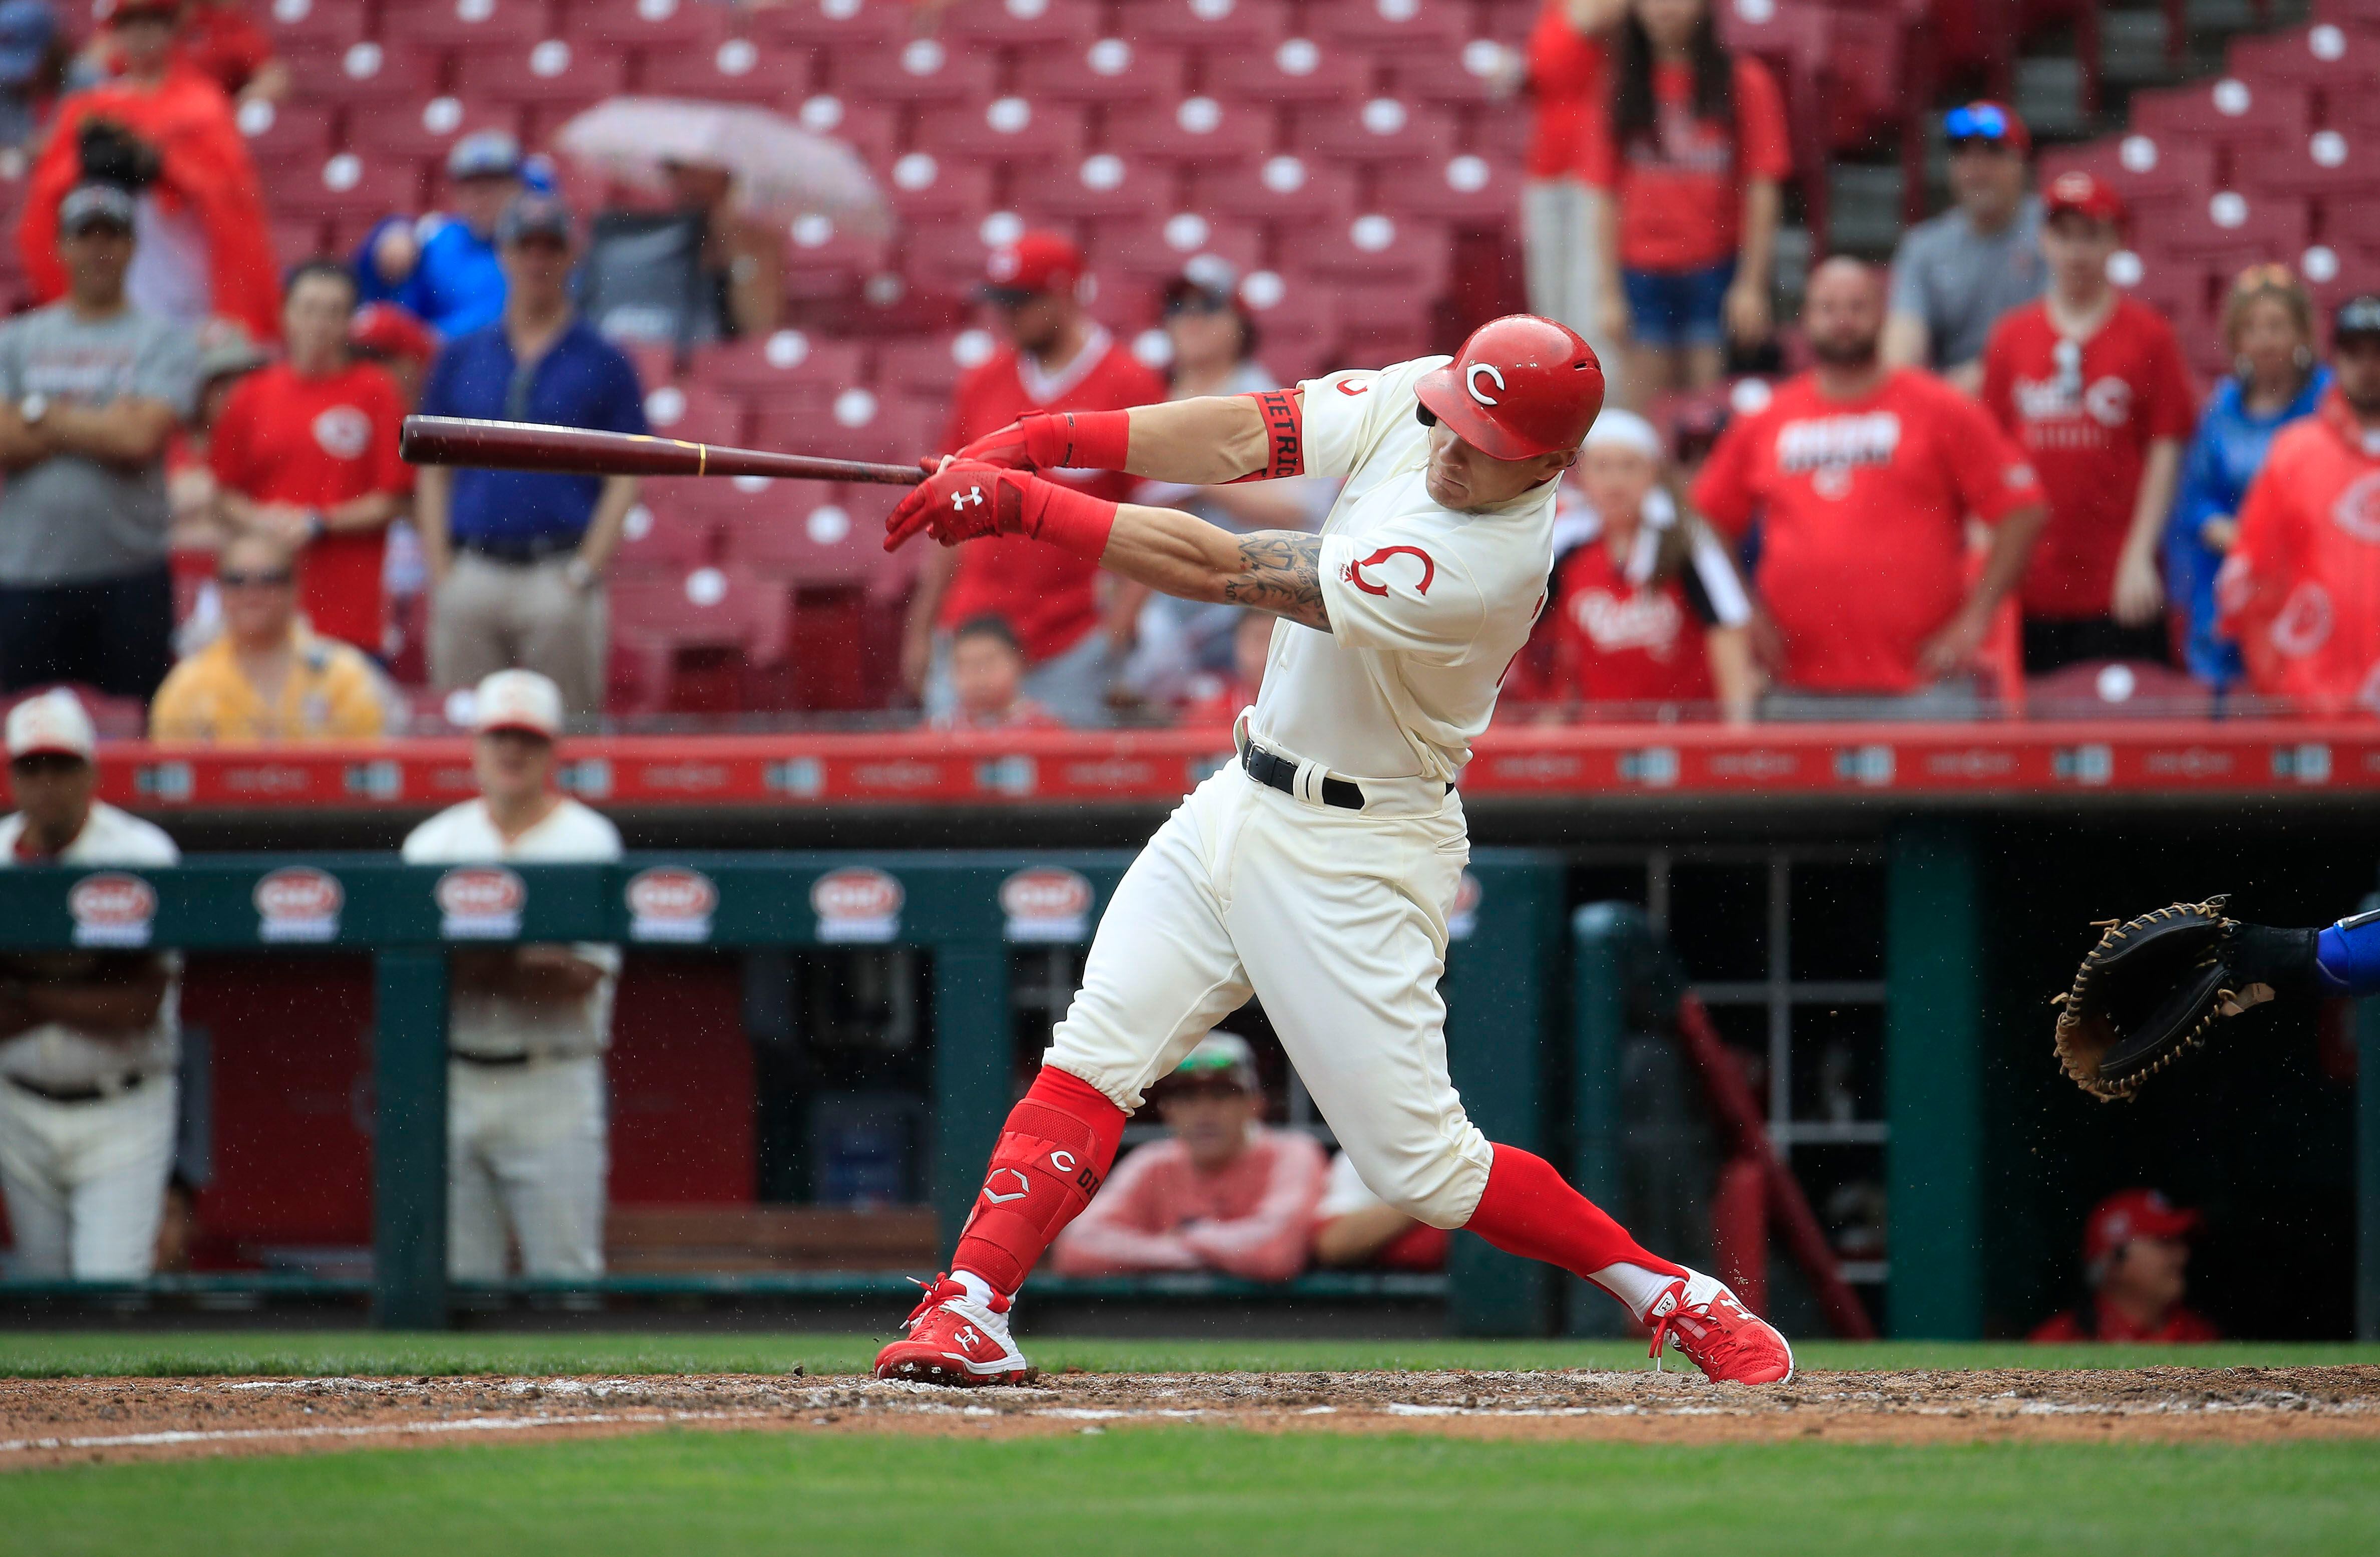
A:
966, 911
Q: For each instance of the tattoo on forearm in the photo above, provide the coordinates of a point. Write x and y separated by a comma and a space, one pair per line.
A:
1280, 571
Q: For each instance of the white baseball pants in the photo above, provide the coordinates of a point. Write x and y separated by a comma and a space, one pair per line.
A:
527, 1150
86, 1182
1335, 920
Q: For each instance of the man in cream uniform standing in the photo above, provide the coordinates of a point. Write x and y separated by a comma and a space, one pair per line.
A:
1316, 873
526, 1140
88, 1038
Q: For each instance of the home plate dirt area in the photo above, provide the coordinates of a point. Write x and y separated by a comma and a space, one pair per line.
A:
53, 1421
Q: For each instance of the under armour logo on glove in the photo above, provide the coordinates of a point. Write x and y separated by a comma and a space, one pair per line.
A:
959, 500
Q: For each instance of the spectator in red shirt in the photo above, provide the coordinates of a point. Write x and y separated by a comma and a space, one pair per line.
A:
1649, 614
2136, 1255
305, 452
1862, 478
988, 679
1058, 359
2092, 386
1694, 161
1224, 1194
2301, 588
1561, 213
1221, 701
388, 335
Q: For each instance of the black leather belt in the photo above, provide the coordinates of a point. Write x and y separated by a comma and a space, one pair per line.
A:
1279, 773
521, 553
488, 1060
73, 1094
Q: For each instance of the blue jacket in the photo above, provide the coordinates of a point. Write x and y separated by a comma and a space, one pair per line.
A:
456, 286
2223, 458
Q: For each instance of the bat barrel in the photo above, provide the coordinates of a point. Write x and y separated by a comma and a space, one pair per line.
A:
515, 445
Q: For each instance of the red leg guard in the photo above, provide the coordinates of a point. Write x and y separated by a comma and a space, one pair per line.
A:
1529, 1209
1053, 1152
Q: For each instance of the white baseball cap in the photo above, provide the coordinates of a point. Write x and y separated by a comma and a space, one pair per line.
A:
1628, 431
518, 699
54, 722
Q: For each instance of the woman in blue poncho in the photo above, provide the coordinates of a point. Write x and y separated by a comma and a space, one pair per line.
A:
2268, 327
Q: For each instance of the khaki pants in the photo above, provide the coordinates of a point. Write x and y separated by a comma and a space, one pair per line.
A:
86, 1182
526, 1151
490, 615
1564, 275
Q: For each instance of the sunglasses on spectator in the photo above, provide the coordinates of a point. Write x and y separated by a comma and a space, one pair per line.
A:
2257, 278
1197, 303
278, 578
34, 762
1976, 124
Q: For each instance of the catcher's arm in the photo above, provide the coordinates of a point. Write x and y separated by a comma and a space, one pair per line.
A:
2154, 987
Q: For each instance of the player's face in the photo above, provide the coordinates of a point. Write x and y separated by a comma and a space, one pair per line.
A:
1461, 477
2357, 362
2077, 250
54, 790
510, 765
1211, 1121
1616, 481
985, 676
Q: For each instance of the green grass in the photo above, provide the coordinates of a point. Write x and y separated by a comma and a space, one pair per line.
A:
1153, 1492
110, 1353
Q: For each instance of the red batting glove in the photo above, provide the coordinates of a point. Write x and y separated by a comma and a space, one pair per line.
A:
967, 500
1057, 441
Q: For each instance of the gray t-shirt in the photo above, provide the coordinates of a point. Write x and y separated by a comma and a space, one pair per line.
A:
69, 519
1961, 283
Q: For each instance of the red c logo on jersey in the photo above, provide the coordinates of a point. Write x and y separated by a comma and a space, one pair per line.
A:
1354, 573
1354, 387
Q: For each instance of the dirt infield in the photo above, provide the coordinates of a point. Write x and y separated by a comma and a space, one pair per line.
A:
56, 1422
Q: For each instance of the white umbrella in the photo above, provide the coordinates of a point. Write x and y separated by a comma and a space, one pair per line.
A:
781, 170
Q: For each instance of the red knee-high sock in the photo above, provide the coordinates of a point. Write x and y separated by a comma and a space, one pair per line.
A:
1529, 1209
1053, 1152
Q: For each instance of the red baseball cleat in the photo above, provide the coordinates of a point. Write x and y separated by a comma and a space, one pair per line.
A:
954, 1339
1718, 1334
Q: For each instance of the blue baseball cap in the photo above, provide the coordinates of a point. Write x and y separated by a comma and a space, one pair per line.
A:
26, 29
535, 215
486, 153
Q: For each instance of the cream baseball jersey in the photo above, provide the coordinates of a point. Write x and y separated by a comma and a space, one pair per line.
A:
1428, 606
499, 1025
54, 1055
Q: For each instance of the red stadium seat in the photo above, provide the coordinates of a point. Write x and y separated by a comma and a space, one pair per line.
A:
2227, 226
1294, 70
1036, 23
647, 25
1101, 185
470, 24
2181, 287
1379, 129
655, 361
2228, 112
1435, 28
286, 132
553, 71
811, 24
924, 186
926, 368
1211, 25
299, 22
734, 70
708, 612
1464, 187
2325, 54
921, 70
945, 257
1106, 70
1006, 129
1422, 79
868, 128
1196, 130
1297, 318
426, 130
659, 538
2153, 166
294, 239
348, 184
827, 262
860, 424
811, 533
1134, 259
1376, 248
2329, 163
788, 363
366, 75
697, 413
1281, 189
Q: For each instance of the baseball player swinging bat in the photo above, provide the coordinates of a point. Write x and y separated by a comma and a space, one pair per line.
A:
1316, 872
524, 445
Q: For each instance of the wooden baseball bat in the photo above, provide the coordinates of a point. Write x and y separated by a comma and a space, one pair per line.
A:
523, 445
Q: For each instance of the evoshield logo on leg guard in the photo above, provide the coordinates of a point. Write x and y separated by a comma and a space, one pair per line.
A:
1024, 1187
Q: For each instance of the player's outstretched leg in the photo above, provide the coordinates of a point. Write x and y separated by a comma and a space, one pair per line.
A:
1058, 1144
1529, 1209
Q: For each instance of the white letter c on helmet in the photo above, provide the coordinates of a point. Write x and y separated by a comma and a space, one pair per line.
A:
1471, 381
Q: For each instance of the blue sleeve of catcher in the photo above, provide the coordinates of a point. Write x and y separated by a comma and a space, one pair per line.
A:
2348, 956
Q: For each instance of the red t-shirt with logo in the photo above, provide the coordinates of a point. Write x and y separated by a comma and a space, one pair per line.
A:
1571, 123
317, 442
2086, 419
2300, 589
1620, 642
1681, 190
1049, 597
1862, 506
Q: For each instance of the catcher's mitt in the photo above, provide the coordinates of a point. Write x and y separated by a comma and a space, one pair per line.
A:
2153, 988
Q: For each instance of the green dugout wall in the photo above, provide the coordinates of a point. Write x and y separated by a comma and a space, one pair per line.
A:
965, 909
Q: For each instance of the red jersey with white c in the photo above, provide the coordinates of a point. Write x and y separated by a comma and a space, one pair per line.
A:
1427, 606
2085, 413
1862, 506
1049, 596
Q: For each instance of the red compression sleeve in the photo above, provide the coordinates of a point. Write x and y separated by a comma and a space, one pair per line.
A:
1054, 1153
1530, 1209
1078, 440
1284, 418
1074, 520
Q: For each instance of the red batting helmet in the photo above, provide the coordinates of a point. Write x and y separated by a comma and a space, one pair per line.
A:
1520, 386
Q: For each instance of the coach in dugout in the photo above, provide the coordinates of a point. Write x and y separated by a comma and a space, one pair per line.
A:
1862, 477
527, 1136
89, 1040
1058, 359
1226, 1193
2136, 1257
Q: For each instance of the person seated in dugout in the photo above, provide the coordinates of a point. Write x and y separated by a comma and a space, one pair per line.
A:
1226, 1193
2136, 1257
988, 681
1355, 1229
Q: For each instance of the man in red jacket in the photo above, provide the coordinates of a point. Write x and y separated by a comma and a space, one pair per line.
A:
2300, 590
1058, 360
